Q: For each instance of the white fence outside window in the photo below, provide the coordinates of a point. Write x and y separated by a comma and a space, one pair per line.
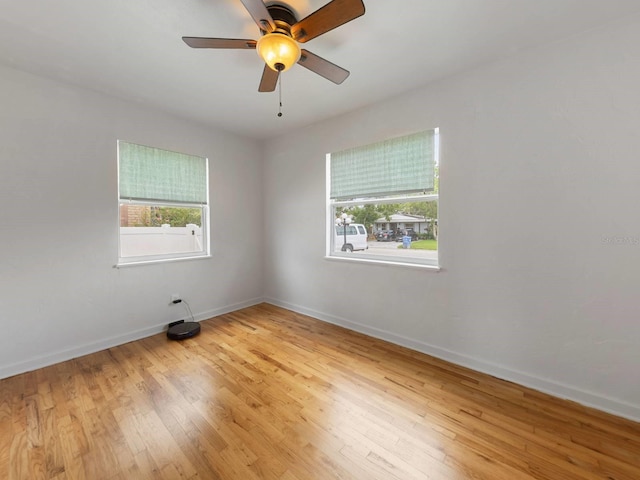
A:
138, 241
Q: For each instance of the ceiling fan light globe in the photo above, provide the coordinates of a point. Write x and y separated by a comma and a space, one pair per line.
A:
278, 50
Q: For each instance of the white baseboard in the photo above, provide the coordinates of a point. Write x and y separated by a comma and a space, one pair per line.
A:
605, 404
93, 347
228, 308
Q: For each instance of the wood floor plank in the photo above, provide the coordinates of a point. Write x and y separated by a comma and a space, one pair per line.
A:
267, 394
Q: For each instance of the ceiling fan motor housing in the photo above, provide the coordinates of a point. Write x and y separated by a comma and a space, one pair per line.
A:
283, 17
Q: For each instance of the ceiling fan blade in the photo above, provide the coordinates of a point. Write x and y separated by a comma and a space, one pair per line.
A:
269, 79
332, 15
258, 11
201, 42
323, 67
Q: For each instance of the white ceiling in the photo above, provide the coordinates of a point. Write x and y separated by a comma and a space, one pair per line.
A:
132, 49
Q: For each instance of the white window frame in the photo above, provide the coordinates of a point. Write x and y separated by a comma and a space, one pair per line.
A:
333, 205
173, 256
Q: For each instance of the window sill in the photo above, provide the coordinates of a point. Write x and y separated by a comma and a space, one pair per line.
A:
390, 263
136, 263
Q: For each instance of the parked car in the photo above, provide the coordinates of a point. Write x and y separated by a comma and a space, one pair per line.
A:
385, 236
356, 238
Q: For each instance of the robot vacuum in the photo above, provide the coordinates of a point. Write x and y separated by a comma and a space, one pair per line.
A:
180, 330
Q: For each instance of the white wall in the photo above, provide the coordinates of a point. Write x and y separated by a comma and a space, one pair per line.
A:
539, 229
58, 181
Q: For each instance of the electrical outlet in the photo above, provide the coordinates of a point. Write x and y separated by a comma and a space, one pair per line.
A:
175, 297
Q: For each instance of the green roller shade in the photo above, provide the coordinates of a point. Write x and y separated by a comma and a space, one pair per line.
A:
396, 166
147, 173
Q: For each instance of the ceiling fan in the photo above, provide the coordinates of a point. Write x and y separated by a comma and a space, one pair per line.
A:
281, 32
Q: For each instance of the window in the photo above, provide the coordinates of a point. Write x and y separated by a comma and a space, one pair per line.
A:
163, 204
389, 192
351, 230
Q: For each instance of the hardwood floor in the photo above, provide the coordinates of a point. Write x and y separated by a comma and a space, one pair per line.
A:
264, 393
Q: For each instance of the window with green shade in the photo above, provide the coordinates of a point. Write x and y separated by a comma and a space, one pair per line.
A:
163, 204
391, 188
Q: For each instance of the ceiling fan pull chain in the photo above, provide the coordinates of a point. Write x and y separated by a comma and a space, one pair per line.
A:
280, 94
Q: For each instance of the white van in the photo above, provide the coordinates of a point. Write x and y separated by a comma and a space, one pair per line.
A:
356, 238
